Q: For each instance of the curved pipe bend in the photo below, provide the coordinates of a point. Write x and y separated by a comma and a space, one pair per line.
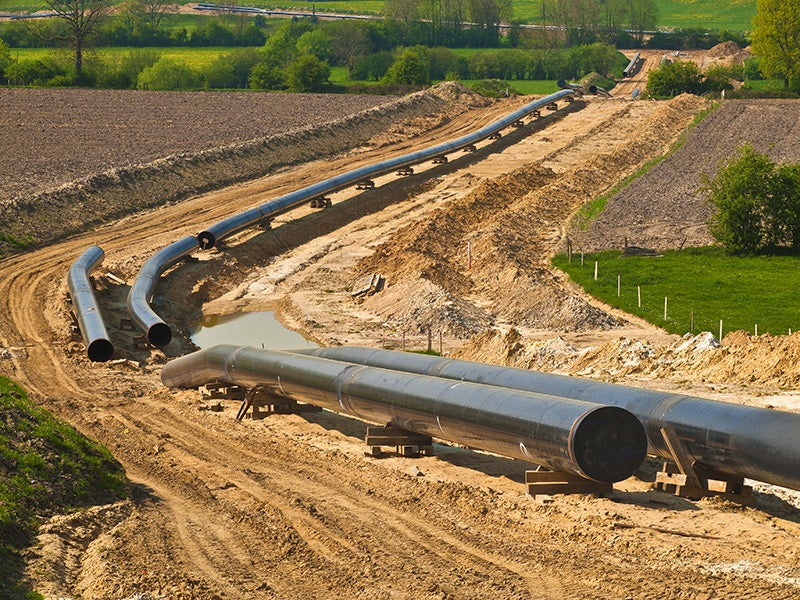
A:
95, 337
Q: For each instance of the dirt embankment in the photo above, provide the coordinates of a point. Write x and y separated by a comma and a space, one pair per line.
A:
155, 148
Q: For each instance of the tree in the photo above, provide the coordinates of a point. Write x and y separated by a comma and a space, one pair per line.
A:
81, 18
776, 39
410, 68
348, 42
643, 15
741, 193
307, 73
784, 207
675, 78
150, 11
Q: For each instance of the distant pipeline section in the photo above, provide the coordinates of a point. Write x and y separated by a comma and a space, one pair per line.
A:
633, 65
731, 439
208, 238
90, 321
159, 334
601, 443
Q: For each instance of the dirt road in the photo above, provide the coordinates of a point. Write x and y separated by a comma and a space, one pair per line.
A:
290, 507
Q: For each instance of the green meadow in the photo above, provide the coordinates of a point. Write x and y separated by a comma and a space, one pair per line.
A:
702, 287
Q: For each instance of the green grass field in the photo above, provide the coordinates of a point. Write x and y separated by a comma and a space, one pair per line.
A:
735, 15
194, 57
702, 287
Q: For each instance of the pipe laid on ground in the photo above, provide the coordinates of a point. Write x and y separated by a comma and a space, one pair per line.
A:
208, 238
597, 90
758, 443
158, 333
95, 337
631, 68
602, 443
575, 87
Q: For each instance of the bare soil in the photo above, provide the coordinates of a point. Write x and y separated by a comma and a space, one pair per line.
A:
290, 507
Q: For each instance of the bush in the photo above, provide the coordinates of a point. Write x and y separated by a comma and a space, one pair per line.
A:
675, 78
307, 73
411, 68
168, 74
231, 70
757, 204
35, 72
265, 77
372, 66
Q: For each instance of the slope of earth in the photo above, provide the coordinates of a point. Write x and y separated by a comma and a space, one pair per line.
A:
291, 507
667, 208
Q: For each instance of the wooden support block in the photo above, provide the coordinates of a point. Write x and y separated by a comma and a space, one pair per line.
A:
542, 482
405, 171
439, 160
518, 123
126, 325
470, 148
367, 184
496, 136
406, 443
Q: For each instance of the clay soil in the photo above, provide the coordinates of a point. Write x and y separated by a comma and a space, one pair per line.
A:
289, 506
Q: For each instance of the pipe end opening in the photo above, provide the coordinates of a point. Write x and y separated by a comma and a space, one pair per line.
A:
609, 444
206, 240
159, 335
100, 350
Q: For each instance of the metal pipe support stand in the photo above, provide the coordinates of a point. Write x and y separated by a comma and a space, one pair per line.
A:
406, 443
261, 403
687, 479
542, 482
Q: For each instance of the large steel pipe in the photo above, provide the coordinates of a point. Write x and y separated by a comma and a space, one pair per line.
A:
98, 345
762, 444
602, 443
158, 333
579, 89
209, 237
631, 68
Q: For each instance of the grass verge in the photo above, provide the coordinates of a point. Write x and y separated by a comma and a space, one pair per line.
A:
46, 468
702, 287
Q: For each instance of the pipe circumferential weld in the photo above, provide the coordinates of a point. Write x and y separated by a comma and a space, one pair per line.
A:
602, 443
758, 443
95, 337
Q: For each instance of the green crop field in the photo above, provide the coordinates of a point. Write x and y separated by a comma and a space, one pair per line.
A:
710, 14
703, 286
194, 57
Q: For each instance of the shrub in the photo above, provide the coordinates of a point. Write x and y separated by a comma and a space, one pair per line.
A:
307, 73
168, 74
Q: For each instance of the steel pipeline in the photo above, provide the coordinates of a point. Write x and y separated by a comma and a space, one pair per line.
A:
602, 443
209, 237
157, 331
159, 334
761, 444
631, 68
594, 89
95, 337
575, 87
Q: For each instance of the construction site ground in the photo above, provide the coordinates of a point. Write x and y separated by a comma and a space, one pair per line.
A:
290, 506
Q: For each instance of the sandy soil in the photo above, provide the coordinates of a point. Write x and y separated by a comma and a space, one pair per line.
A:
290, 507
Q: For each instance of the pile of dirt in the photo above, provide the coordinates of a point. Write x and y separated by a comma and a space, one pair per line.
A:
740, 359
728, 53
512, 225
